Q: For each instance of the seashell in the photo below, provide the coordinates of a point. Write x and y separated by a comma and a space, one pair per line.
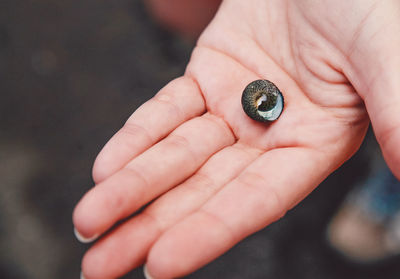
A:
262, 101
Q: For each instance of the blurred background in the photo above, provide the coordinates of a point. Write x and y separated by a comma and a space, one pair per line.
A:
71, 73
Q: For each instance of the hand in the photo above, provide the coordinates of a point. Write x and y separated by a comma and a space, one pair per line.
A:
213, 175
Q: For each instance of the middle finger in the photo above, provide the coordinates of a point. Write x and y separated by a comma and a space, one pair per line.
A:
152, 173
133, 239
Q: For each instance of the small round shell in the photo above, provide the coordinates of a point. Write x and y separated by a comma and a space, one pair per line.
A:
262, 101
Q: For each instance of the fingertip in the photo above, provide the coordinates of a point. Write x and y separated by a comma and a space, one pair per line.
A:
160, 267
158, 271
83, 239
83, 227
106, 163
117, 152
167, 258
99, 173
146, 273
94, 264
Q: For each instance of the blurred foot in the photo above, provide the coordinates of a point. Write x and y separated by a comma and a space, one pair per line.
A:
367, 227
187, 17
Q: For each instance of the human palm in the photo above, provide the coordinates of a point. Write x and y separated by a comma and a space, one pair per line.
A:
213, 175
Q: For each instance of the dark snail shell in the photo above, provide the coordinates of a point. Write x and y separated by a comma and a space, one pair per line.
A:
262, 101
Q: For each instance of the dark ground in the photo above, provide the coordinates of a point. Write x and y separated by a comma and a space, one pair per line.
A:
71, 73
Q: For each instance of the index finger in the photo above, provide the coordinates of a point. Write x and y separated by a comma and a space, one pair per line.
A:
179, 101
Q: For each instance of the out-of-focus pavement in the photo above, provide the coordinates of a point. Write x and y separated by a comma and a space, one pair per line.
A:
71, 73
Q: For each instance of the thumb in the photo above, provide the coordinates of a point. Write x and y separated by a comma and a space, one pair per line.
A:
375, 61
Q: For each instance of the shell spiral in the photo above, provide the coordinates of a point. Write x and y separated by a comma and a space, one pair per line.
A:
262, 101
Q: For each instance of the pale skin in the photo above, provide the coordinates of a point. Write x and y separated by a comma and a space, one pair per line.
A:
213, 175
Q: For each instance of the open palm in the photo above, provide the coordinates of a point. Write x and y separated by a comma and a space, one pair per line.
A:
213, 175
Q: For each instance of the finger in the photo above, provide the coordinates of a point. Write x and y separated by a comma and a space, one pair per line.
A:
260, 195
177, 102
133, 239
375, 72
155, 171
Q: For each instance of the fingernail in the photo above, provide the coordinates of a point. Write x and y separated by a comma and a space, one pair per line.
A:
84, 239
146, 273
82, 277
